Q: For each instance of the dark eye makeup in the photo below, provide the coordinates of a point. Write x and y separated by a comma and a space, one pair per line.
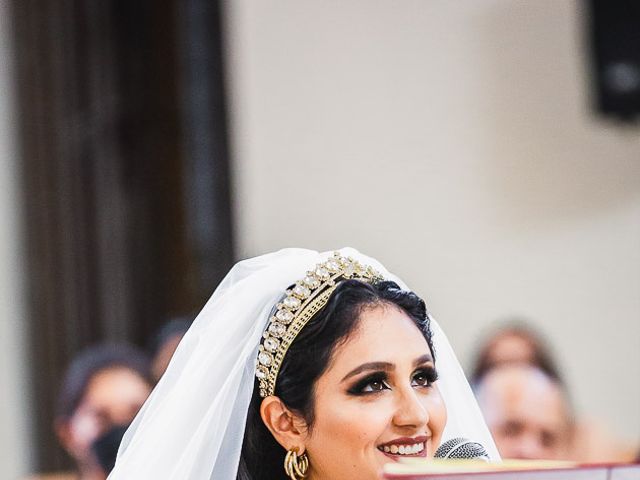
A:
378, 381
372, 383
424, 377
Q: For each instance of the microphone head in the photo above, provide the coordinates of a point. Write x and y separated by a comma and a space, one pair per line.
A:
462, 448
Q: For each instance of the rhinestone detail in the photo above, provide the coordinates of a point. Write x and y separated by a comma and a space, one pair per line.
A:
277, 329
322, 272
301, 291
333, 265
271, 344
311, 281
292, 302
302, 302
285, 316
265, 358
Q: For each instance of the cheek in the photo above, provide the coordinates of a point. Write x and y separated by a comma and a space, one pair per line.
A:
352, 425
342, 443
85, 428
437, 416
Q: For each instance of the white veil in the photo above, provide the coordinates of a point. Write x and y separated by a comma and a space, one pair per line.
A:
192, 425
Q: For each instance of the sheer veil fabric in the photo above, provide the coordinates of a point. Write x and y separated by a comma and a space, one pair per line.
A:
192, 425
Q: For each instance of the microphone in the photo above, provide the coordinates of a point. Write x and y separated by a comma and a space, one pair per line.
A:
462, 448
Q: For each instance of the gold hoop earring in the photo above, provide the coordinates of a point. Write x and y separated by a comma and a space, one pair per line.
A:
295, 465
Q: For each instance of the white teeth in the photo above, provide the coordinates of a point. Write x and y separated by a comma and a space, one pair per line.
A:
404, 449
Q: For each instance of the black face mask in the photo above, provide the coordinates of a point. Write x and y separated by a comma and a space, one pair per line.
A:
105, 447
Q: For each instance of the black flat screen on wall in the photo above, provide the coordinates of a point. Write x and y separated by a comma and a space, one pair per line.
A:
614, 36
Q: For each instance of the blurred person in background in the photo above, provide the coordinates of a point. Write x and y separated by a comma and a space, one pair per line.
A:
103, 389
517, 344
165, 342
527, 411
514, 342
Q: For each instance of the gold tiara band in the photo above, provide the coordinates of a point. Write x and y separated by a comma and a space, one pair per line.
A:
301, 303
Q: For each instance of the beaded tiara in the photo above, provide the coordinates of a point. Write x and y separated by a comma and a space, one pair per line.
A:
300, 304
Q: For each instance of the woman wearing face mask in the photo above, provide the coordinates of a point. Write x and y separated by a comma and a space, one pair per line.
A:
103, 389
303, 365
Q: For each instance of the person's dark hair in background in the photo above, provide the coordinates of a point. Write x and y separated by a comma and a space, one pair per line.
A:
103, 389
262, 456
515, 342
164, 343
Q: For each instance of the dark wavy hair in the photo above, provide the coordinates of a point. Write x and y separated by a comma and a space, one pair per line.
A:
542, 356
262, 456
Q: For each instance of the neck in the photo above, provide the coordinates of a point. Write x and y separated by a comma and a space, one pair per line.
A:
91, 473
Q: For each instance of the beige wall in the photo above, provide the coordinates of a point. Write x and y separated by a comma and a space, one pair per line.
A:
14, 402
453, 141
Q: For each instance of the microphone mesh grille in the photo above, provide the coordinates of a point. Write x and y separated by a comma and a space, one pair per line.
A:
461, 448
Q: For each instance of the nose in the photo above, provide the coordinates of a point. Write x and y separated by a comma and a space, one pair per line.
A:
410, 411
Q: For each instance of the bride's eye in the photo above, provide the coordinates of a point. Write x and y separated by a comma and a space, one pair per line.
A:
371, 384
424, 377
375, 386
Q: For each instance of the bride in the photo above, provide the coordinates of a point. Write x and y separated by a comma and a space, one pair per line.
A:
303, 364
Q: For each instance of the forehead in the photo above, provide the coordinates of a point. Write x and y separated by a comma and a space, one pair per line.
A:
114, 382
384, 333
526, 395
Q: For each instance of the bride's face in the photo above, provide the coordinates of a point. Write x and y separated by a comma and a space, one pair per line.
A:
377, 402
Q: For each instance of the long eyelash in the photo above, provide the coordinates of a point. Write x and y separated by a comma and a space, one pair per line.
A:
359, 386
429, 372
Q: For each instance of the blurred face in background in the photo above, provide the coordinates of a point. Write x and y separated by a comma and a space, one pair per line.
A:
527, 413
112, 398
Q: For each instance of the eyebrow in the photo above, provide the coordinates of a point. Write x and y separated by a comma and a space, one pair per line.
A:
384, 366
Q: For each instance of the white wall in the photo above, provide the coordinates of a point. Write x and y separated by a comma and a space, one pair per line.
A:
453, 141
14, 403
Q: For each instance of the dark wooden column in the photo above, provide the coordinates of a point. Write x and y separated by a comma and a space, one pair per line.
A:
125, 175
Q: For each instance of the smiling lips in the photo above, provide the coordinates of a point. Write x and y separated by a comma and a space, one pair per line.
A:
405, 447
